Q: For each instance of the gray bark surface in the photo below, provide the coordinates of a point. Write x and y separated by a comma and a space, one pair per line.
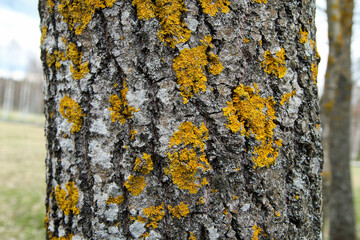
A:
240, 201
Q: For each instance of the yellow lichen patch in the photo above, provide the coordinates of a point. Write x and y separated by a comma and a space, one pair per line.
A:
116, 200
135, 184
173, 28
50, 5
55, 58
226, 212
275, 65
314, 70
77, 68
144, 165
285, 98
71, 111
261, 1
144, 235
189, 134
132, 134
257, 231
249, 113
184, 164
154, 215
245, 40
145, 9
120, 110
183, 168
190, 66
216, 66
69, 237
303, 36
211, 7
78, 13
67, 201
43, 34
181, 210
200, 201
192, 237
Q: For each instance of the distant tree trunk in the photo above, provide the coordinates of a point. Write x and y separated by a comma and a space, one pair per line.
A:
8, 103
336, 117
173, 119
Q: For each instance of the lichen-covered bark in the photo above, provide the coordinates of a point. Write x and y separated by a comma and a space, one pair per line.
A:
173, 119
336, 116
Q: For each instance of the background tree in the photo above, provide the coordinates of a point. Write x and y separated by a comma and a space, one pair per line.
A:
336, 118
174, 119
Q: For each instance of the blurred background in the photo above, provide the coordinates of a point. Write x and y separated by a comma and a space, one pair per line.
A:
22, 143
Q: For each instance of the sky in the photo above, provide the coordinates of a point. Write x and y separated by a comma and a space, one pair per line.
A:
20, 40
20, 36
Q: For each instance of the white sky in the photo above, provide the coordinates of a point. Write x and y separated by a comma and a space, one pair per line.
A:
20, 38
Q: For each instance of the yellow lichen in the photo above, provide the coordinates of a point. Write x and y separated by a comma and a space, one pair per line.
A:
245, 40
189, 134
173, 28
144, 235
132, 134
55, 58
181, 210
212, 6
275, 65
285, 98
190, 66
200, 201
215, 66
184, 164
71, 111
78, 13
120, 110
145, 166
192, 237
257, 231
50, 5
226, 212
69, 237
303, 36
43, 34
67, 201
261, 1
135, 184
145, 9
314, 70
77, 68
116, 200
249, 113
154, 215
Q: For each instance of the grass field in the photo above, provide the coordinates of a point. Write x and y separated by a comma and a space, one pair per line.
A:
22, 178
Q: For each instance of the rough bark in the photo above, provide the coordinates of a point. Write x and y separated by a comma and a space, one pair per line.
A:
336, 118
213, 134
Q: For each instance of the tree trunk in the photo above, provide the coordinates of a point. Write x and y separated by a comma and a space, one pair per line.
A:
173, 119
336, 103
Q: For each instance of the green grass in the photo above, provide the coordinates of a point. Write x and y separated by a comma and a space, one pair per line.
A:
22, 178
355, 175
